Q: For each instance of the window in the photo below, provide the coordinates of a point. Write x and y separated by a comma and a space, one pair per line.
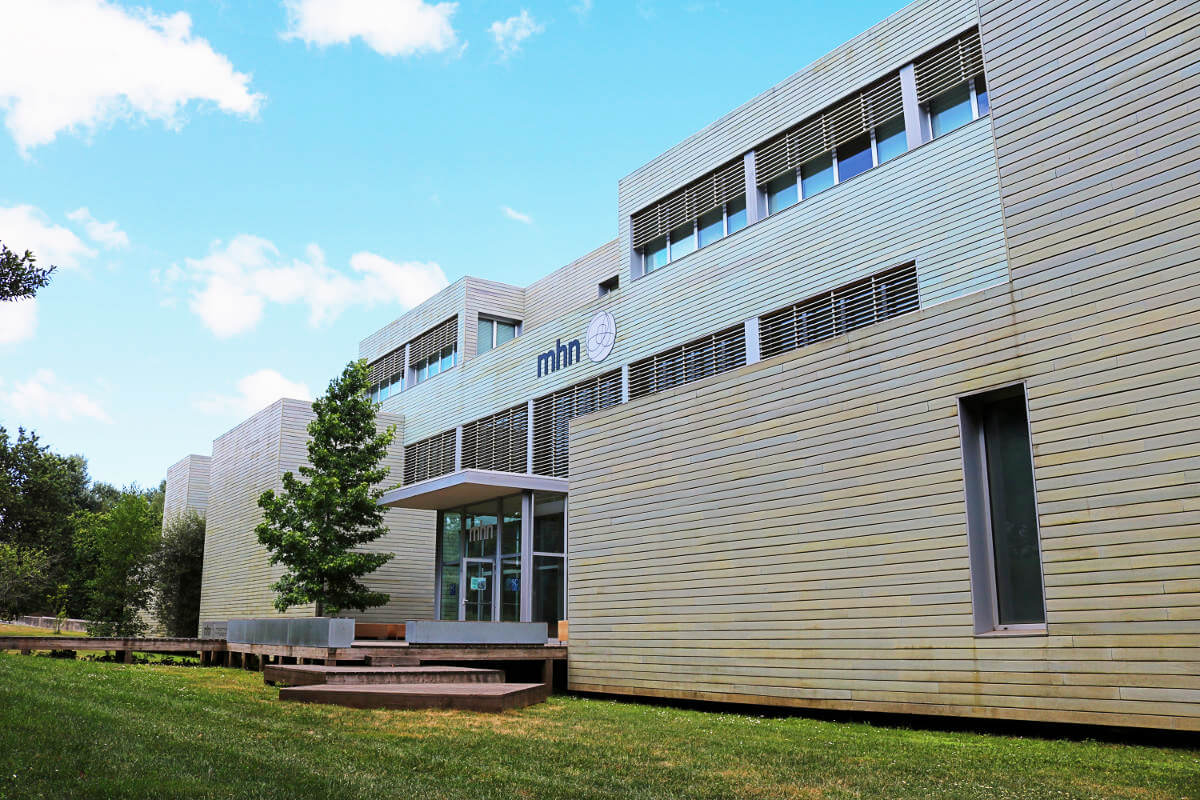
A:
495, 332
497, 442
704, 230
854, 157
890, 139
552, 415
433, 352
951, 109
882, 296
430, 458
781, 192
611, 285
698, 359
1002, 526
950, 85
435, 364
817, 175
387, 375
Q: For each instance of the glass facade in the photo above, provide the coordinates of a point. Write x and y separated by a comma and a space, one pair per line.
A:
504, 560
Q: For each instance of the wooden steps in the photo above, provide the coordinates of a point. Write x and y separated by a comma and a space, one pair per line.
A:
462, 696
310, 675
393, 661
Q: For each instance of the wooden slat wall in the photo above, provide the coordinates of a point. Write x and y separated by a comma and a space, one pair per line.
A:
883, 48
187, 486
937, 205
794, 532
571, 287
252, 458
490, 299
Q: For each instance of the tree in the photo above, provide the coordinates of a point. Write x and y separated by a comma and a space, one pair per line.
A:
177, 571
118, 544
19, 277
311, 526
23, 573
40, 494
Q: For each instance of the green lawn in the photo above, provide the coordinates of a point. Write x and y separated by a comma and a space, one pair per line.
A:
76, 729
28, 630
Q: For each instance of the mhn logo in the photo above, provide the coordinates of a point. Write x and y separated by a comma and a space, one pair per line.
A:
601, 336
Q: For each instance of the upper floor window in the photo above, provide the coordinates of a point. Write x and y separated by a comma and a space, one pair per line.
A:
434, 364
950, 84
609, 286
697, 215
433, 352
387, 375
495, 332
958, 106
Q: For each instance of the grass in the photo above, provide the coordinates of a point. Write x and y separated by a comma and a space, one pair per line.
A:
29, 630
94, 730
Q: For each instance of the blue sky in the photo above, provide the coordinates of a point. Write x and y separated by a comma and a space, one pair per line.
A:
237, 193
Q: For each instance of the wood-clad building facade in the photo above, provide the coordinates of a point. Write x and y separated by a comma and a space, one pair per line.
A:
880, 399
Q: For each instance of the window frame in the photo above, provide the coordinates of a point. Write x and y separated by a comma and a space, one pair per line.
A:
977, 493
516, 323
647, 268
927, 113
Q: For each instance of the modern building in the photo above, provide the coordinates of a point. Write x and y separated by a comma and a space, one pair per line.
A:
880, 400
187, 487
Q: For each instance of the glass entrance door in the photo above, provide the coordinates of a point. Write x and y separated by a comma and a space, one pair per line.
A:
478, 586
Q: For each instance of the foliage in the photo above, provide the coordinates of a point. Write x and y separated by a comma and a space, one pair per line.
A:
118, 544
150, 732
23, 573
58, 603
19, 275
177, 571
40, 494
311, 526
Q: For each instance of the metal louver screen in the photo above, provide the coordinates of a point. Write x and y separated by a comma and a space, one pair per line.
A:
882, 296
389, 365
825, 130
708, 355
948, 65
430, 458
553, 413
433, 341
704, 194
498, 442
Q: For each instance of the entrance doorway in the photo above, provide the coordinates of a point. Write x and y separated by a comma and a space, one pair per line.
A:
504, 560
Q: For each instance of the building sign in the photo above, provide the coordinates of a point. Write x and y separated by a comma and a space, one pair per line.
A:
601, 335
481, 533
478, 584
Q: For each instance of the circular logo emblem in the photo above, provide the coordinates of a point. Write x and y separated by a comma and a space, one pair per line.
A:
601, 336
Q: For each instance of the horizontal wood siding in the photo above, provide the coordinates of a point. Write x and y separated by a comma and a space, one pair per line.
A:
574, 286
491, 299
252, 458
937, 205
187, 487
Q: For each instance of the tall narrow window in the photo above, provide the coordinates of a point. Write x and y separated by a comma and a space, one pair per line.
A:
854, 157
817, 175
890, 139
495, 332
951, 109
781, 192
1006, 563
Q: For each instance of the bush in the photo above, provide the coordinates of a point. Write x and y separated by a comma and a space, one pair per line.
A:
24, 571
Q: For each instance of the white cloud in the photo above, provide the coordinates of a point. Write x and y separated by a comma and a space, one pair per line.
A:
389, 27
45, 396
18, 320
582, 8
510, 33
231, 286
107, 234
255, 392
26, 228
78, 64
517, 215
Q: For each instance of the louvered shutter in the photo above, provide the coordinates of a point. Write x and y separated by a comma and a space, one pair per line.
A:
497, 442
430, 458
949, 65
709, 355
700, 196
434, 341
389, 365
552, 415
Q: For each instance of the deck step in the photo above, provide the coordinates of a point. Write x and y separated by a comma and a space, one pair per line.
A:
462, 696
393, 661
310, 675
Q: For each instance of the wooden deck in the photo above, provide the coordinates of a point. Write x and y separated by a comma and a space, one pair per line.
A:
489, 697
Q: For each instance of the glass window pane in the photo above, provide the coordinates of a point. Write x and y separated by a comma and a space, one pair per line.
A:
683, 240
654, 254
549, 518
817, 175
449, 581
510, 534
781, 192
384, 392
483, 341
447, 358
712, 226
479, 591
435, 366
736, 211
480, 525
423, 371
1016, 556
549, 583
854, 157
890, 139
510, 590
981, 94
951, 109
505, 332
451, 537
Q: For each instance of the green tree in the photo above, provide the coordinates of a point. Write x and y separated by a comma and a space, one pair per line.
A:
19, 277
177, 571
40, 494
311, 526
24, 572
119, 544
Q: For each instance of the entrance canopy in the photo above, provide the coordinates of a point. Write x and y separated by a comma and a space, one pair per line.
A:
468, 486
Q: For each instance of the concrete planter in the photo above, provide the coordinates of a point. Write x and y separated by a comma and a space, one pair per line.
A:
306, 632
